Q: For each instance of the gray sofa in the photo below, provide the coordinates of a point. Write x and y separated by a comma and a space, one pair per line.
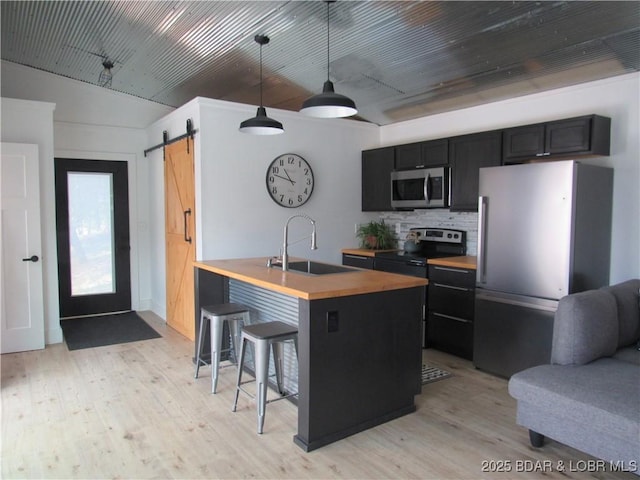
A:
589, 396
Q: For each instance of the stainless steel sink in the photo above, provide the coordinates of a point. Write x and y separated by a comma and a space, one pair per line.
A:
310, 267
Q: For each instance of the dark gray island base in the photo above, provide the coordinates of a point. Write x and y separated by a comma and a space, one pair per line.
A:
359, 356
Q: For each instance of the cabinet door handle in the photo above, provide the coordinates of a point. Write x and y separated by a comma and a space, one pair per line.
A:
462, 289
187, 213
457, 270
450, 317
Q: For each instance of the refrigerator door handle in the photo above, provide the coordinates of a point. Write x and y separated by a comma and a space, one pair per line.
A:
482, 217
427, 189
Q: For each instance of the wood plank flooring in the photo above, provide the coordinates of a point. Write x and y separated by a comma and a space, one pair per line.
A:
135, 411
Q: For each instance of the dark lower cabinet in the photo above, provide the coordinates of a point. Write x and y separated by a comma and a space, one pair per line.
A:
360, 261
451, 307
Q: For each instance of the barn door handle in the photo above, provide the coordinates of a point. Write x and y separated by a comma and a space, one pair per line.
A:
187, 212
32, 258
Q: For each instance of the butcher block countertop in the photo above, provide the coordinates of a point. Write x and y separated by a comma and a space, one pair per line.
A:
365, 252
309, 287
465, 261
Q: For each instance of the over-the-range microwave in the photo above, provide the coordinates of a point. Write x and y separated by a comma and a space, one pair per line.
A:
420, 188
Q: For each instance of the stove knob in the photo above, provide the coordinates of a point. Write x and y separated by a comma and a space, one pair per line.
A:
448, 235
455, 235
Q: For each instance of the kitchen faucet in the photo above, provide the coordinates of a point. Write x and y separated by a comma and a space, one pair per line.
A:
285, 255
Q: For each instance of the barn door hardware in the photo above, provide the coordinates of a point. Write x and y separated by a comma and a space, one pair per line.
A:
166, 141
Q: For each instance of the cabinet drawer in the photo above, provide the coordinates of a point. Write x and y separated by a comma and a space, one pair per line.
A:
359, 261
450, 335
450, 300
459, 277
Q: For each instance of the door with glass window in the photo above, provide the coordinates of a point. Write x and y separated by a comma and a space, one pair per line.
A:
92, 218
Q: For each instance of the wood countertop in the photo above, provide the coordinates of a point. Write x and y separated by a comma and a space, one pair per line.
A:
309, 287
365, 252
465, 261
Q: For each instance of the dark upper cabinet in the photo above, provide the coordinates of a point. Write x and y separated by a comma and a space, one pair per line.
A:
377, 165
432, 153
467, 155
588, 135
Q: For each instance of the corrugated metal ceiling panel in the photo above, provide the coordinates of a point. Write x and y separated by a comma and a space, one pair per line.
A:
396, 59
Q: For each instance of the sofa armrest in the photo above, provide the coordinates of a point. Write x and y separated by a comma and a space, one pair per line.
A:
585, 328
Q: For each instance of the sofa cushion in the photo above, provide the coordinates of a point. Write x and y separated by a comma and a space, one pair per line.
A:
629, 354
585, 328
627, 295
605, 394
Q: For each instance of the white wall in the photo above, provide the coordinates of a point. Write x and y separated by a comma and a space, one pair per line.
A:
32, 122
89, 122
235, 216
617, 98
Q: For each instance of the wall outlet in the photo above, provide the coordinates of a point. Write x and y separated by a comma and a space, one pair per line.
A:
356, 226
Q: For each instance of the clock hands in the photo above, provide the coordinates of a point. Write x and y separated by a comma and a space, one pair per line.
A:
285, 178
287, 174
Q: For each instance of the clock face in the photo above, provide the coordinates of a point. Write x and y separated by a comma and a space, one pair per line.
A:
290, 180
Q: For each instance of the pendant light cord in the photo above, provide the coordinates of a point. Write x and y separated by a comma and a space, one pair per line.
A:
328, 3
261, 104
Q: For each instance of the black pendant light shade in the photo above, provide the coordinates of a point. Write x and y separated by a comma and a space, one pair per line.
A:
261, 124
329, 104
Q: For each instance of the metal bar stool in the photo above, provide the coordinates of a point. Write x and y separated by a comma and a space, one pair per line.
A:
263, 335
215, 316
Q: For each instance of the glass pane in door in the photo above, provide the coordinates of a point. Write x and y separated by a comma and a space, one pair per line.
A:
91, 233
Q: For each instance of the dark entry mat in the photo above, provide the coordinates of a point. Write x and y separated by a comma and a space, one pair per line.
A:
89, 332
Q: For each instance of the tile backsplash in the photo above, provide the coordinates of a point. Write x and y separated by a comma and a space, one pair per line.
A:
436, 218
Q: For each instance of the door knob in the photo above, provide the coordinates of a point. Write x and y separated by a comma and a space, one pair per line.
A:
32, 258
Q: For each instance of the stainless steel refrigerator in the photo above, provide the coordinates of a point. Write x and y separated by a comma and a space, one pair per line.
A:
544, 231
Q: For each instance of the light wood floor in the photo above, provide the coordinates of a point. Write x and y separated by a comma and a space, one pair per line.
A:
135, 411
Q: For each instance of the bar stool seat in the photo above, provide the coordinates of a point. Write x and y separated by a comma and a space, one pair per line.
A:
263, 335
235, 315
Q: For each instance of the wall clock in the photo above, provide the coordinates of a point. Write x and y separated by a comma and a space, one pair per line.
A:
290, 180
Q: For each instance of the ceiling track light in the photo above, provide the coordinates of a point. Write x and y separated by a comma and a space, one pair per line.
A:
329, 104
261, 124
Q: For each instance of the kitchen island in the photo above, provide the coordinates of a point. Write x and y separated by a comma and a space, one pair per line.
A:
359, 347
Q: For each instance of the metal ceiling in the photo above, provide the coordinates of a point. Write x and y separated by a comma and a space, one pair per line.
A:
397, 59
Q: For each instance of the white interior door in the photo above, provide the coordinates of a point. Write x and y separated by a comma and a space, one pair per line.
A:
21, 298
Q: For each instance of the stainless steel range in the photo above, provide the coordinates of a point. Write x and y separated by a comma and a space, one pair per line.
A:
429, 243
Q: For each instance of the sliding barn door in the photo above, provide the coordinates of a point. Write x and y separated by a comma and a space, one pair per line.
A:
180, 236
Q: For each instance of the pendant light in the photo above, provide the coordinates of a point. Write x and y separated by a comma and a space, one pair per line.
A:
329, 104
261, 124
104, 80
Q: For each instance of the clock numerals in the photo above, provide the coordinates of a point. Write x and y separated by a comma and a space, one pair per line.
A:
290, 180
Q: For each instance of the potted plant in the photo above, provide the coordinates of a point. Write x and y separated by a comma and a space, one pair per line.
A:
376, 236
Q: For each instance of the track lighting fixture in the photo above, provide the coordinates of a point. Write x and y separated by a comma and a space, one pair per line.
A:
261, 124
329, 104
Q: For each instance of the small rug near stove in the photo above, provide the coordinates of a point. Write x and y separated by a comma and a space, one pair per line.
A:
433, 374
